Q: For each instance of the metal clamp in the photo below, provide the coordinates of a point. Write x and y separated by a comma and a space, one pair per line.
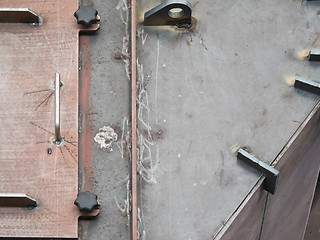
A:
171, 12
272, 175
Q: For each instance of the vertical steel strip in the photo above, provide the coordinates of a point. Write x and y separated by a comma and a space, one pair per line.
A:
134, 217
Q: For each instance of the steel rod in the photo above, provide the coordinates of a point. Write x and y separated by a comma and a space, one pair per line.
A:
57, 109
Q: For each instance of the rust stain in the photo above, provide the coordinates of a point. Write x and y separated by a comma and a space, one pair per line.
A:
87, 119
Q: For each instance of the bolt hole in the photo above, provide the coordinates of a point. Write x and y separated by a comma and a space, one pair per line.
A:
176, 12
49, 151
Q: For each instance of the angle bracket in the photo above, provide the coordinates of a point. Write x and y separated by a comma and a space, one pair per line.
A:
171, 12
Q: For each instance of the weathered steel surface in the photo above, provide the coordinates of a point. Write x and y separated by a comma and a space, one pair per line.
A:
206, 90
313, 227
30, 162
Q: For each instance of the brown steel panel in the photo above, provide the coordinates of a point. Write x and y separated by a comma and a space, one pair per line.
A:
30, 162
246, 222
288, 210
313, 228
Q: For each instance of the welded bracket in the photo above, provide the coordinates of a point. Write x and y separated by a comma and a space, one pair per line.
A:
307, 85
20, 15
271, 182
314, 56
17, 200
171, 12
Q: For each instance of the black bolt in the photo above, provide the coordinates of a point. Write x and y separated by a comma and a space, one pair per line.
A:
87, 201
86, 15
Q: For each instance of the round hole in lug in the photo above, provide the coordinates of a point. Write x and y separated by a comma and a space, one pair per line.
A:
176, 12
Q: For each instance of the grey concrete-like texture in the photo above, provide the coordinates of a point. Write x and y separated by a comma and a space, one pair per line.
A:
204, 91
110, 102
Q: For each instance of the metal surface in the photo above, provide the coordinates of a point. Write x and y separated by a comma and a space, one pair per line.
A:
29, 59
57, 138
17, 200
313, 228
271, 174
171, 12
19, 15
206, 91
299, 164
109, 98
307, 85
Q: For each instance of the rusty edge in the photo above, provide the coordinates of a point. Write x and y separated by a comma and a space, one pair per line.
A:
134, 203
85, 126
85, 119
259, 183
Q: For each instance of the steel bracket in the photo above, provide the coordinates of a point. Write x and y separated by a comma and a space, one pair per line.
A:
17, 200
20, 15
307, 85
271, 181
314, 56
171, 12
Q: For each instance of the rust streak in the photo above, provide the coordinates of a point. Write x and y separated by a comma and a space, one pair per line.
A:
85, 136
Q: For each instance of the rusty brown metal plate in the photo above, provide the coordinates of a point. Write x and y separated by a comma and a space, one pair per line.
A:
30, 162
283, 215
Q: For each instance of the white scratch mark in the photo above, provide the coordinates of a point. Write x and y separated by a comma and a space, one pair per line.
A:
157, 74
125, 137
142, 34
124, 15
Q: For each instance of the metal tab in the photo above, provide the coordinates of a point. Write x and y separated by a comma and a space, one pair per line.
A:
19, 15
307, 85
17, 200
171, 12
271, 182
314, 56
